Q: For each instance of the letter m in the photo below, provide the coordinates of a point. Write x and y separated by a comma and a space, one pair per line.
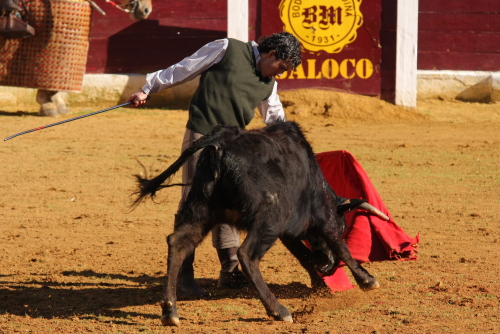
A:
330, 16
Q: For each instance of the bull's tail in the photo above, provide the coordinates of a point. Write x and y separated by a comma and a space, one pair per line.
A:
217, 137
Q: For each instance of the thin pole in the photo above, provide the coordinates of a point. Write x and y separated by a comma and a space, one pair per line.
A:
66, 121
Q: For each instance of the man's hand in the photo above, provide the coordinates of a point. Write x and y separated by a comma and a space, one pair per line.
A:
138, 99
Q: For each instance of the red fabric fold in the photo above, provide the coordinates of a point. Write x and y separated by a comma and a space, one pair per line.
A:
368, 237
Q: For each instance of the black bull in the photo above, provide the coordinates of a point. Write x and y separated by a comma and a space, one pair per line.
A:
268, 183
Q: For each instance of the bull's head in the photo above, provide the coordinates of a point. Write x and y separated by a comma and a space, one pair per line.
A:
326, 262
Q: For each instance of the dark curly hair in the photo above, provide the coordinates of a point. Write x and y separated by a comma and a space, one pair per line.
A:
286, 45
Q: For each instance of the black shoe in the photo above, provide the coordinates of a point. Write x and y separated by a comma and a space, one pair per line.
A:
188, 288
230, 276
232, 280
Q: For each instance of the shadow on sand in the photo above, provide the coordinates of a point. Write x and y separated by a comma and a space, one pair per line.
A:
105, 296
19, 113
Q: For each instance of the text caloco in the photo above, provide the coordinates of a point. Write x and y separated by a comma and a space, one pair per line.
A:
331, 69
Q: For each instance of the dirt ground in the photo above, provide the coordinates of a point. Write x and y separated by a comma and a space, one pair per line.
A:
75, 260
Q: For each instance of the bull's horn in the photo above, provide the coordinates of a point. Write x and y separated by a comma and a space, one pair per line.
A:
370, 208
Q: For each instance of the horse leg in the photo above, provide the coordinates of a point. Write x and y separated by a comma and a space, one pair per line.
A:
306, 259
47, 107
59, 99
52, 103
250, 253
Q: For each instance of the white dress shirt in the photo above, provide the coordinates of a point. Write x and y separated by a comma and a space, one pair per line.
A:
192, 66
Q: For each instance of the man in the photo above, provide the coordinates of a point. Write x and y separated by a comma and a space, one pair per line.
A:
236, 78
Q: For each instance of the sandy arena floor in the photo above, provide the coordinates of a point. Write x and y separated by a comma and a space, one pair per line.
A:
75, 260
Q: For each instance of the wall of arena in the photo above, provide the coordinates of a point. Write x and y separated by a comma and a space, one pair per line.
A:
458, 51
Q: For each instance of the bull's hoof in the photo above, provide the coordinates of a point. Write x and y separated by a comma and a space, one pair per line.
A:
365, 281
169, 315
370, 284
282, 314
166, 321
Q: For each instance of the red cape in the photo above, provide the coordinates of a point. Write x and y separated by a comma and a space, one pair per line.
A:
368, 237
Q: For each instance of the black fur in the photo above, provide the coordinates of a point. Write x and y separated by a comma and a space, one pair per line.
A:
268, 183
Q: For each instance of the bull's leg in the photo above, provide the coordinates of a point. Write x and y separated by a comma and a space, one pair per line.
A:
169, 301
306, 259
250, 253
340, 249
181, 244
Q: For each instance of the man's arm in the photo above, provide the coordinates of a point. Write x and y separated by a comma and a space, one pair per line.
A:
272, 109
187, 69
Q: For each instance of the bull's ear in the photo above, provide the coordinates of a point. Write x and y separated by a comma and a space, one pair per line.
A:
347, 205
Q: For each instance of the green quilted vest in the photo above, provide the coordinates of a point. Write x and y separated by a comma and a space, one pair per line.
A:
229, 91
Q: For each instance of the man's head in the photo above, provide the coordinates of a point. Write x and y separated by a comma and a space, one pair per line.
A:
280, 52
